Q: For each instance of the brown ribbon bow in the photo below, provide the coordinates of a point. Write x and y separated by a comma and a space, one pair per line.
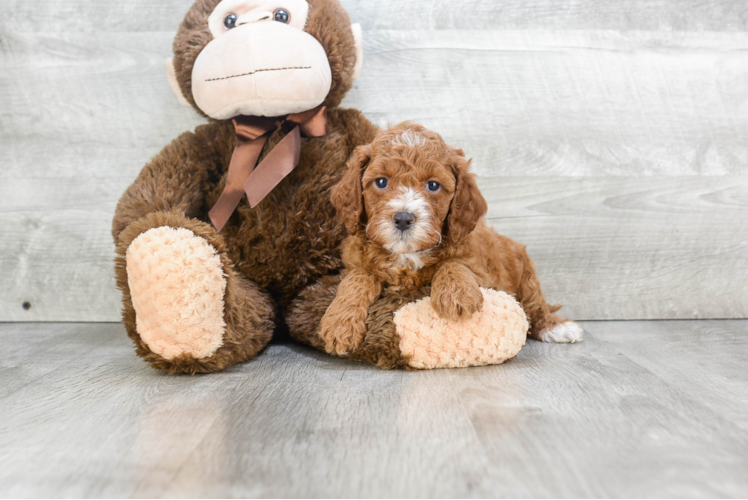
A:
252, 133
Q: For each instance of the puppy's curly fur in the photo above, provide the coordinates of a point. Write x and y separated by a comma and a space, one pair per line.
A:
415, 218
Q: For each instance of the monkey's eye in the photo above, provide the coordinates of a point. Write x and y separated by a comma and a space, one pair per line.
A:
433, 186
282, 16
230, 21
381, 183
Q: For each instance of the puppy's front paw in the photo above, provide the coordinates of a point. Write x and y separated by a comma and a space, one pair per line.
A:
457, 301
568, 332
341, 336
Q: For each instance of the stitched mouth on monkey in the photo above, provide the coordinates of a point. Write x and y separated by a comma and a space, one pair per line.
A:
250, 73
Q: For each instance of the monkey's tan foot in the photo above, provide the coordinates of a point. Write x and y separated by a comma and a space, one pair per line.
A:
491, 336
568, 332
177, 287
184, 306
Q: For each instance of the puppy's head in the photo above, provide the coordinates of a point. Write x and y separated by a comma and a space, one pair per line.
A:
409, 191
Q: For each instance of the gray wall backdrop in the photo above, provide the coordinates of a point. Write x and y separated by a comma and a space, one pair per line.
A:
610, 137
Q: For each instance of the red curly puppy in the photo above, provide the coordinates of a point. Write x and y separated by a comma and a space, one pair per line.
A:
415, 218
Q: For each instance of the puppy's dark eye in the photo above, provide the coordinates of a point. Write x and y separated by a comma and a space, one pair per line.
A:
433, 186
230, 21
381, 183
282, 16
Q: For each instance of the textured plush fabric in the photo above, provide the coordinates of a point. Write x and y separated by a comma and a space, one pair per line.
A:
487, 338
177, 286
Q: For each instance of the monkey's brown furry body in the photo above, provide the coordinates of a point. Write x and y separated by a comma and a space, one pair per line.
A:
270, 253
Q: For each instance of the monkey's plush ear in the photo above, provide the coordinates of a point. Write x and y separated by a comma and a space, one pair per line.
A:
358, 36
173, 83
468, 204
347, 195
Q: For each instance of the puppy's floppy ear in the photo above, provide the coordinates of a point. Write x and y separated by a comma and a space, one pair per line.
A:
347, 195
468, 204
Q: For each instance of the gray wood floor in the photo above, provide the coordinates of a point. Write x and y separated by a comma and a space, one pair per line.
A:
650, 409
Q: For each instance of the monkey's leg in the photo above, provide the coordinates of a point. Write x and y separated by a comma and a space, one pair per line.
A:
404, 331
185, 307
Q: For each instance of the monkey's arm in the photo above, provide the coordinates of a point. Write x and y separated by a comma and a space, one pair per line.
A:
343, 326
176, 180
455, 291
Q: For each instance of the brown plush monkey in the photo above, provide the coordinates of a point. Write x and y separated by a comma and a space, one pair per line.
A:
197, 299
208, 274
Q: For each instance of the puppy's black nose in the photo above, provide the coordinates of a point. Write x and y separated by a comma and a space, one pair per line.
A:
403, 220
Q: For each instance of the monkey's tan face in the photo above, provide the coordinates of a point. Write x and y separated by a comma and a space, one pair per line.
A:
260, 62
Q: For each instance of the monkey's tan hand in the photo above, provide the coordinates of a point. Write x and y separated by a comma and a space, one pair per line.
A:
343, 326
455, 293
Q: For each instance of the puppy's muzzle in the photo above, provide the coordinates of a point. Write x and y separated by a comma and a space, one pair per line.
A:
403, 220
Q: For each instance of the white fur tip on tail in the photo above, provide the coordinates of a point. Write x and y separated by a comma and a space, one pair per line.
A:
565, 333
